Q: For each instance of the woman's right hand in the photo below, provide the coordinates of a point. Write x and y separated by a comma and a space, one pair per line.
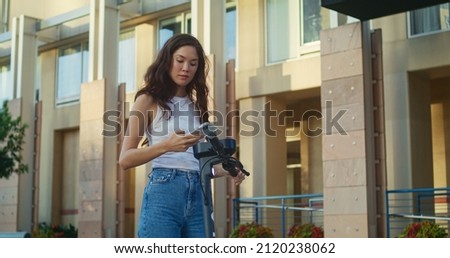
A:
179, 141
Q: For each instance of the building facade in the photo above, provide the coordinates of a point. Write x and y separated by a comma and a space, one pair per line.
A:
71, 68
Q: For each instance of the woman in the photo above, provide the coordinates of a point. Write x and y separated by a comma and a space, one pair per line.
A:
172, 103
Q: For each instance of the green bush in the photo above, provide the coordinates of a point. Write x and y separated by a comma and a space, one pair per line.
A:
55, 231
12, 134
424, 229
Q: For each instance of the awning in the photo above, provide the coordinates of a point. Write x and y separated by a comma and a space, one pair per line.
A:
371, 9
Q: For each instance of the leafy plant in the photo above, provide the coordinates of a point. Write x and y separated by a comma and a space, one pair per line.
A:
424, 229
251, 230
12, 134
55, 231
307, 230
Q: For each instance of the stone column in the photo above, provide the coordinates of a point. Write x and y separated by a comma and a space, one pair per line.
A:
209, 27
145, 49
98, 155
262, 147
23, 67
348, 132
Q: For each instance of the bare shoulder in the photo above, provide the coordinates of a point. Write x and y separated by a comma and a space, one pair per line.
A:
144, 102
146, 105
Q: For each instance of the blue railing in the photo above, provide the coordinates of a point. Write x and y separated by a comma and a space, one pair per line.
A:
279, 212
405, 206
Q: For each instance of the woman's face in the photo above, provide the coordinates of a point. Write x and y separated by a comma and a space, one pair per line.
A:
184, 65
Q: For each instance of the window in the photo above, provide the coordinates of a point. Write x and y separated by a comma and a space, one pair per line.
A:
72, 72
6, 87
430, 19
230, 31
314, 18
127, 58
293, 27
4, 15
293, 165
173, 25
281, 39
183, 24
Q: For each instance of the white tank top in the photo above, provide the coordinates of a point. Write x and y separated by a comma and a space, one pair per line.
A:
184, 117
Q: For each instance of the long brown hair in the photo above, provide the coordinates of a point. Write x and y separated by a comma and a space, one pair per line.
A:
159, 84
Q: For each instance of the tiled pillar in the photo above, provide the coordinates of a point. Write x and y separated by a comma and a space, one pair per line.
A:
348, 136
208, 22
92, 104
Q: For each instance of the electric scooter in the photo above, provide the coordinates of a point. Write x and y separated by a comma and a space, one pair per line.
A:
210, 153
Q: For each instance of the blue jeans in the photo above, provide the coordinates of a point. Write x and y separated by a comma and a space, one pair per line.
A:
172, 205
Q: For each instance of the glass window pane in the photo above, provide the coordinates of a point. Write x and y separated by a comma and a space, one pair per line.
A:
85, 64
6, 87
70, 64
429, 19
314, 19
230, 33
444, 15
168, 28
188, 24
425, 20
127, 66
278, 38
293, 153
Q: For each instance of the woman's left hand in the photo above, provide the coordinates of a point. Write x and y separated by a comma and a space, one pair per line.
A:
239, 178
220, 172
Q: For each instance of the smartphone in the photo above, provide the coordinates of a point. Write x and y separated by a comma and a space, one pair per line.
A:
199, 130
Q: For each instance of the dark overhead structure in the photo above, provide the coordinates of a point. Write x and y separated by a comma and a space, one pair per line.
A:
371, 9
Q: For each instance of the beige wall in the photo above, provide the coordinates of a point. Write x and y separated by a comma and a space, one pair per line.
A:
253, 76
400, 57
440, 117
307, 111
256, 83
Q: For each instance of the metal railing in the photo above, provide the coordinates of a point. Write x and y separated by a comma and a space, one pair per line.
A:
19, 234
403, 207
279, 212
406, 206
